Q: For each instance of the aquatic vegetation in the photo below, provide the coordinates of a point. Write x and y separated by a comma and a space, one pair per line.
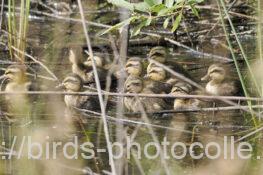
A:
150, 11
17, 29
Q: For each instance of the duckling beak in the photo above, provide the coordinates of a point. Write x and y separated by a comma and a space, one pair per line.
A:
146, 76
205, 78
86, 63
126, 90
88, 68
60, 86
2, 77
7, 72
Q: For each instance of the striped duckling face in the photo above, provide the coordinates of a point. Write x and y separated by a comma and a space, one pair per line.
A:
155, 72
134, 66
158, 54
216, 73
72, 82
15, 73
133, 84
98, 61
181, 88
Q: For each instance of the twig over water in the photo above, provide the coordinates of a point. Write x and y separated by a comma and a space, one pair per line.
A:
102, 105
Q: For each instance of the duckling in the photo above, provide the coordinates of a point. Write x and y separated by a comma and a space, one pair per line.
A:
160, 54
74, 83
182, 88
84, 68
157, 77
102, 72
135, 84
134, 66
99, 62
156, 73
219, 81
17, 82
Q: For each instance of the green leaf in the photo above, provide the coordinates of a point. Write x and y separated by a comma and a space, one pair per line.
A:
122, 3
119, 25
150, 2
179, 1
148, 21
194, 1
136, 30
158, 1
141, 6
194, 10
175, 7
166, 22
177, 22
169, 3
164, 11
153, 2
157, 8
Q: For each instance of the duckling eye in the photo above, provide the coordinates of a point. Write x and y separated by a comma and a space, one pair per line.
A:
176, 90
8, 72
72, 82
137, 84
158, 54
132, 64
13, 71
129, 65
154, 71
179, 89
215, 71
153, 65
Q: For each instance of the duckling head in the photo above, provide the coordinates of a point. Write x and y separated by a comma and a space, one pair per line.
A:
72, 83
215, 73
155, 72
15, 73
134, 66
133, 84
98, 61
181, 88
158, 53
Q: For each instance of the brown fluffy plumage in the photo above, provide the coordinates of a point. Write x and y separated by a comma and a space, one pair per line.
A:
219, 81
135, 84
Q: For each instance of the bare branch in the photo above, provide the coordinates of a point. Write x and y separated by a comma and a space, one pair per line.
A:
102, 105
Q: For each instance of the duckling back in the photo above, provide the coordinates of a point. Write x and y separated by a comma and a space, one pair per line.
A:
87, 102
